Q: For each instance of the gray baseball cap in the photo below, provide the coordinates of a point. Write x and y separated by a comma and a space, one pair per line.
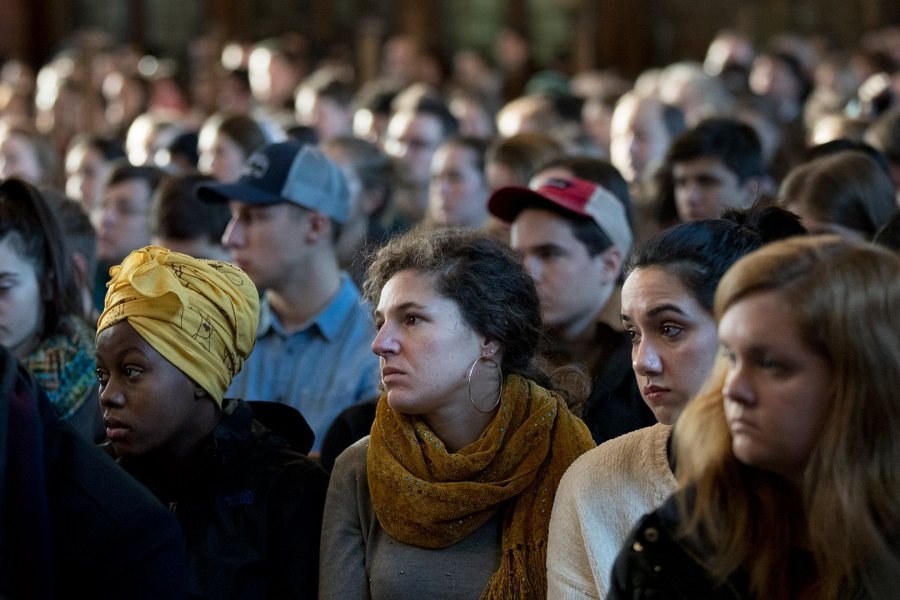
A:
286, 172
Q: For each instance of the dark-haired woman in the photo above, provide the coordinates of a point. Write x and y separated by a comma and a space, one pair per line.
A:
41, 319
450, 496
667, 311
789, 454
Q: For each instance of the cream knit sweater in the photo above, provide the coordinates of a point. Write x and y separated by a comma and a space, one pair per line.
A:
600, 498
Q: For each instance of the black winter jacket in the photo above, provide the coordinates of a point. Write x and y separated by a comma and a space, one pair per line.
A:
72, 523
251, 509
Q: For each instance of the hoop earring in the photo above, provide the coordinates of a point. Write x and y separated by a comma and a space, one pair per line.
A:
469, 384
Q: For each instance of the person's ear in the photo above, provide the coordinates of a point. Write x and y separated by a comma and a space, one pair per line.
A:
199, 392
609, 264
319, 226
489, 347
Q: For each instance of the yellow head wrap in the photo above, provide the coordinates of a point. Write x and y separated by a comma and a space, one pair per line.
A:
201, 315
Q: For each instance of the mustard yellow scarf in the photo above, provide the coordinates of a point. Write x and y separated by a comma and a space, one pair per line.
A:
424, 496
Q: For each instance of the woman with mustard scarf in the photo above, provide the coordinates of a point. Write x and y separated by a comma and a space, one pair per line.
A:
450, 495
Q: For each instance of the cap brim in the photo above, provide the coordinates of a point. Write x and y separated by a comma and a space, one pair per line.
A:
223, 192
506, 203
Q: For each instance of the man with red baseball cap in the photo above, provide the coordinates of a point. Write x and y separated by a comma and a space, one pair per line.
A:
573, 236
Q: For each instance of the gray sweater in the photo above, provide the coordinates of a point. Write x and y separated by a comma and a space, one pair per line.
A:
360, 560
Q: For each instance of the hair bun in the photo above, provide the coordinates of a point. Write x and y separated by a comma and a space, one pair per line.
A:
766, 219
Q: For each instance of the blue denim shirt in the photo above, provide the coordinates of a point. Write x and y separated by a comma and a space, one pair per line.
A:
321, 369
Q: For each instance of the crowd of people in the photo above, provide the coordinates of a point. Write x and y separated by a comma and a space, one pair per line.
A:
481, 331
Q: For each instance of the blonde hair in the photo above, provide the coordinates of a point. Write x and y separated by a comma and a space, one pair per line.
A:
845, 298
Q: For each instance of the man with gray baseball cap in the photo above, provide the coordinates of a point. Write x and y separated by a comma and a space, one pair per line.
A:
312, 346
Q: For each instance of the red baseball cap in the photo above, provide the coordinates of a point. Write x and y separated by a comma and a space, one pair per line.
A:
578, 196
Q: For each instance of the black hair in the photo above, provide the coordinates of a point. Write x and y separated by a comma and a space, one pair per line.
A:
178, 214
699, 252
734, 143
27, 221
123, 170
427, 105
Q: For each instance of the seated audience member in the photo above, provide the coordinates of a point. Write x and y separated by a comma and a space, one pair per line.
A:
449, 497
413, 135
515, 160
123, 224
846, 193
89, 161
182, 223
532, 113
73, 523
641, 131
27, 154
370, 178
174, 332
275, 67
713, 166
324, 102
179, 155
458, 192
372, 113
667, 303
43, 322
81, 240
312, 342
695, 92
225, 143
788, 456
573, 236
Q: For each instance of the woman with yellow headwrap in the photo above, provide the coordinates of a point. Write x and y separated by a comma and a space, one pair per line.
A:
174, 332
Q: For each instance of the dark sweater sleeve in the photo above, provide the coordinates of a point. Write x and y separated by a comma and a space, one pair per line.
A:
297, 521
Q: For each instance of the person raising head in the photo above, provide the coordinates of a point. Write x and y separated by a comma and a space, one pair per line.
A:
799, 423
450, 495
42, 322
667, 311
174, 332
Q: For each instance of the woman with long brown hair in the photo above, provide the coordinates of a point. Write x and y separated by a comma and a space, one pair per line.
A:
789, 455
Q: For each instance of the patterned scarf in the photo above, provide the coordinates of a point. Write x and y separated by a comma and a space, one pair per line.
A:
427, 497
63, 365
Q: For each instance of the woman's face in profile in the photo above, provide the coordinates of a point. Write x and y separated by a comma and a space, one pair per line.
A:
148, 404
426, 349
673, 340
776, 387
21, 307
